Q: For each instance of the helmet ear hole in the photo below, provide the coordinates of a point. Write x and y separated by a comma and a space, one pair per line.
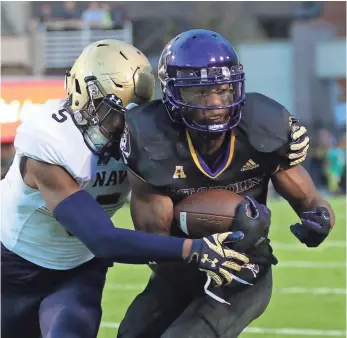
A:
77, 85
97, 102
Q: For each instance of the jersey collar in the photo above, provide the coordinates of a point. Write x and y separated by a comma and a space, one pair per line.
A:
224, 162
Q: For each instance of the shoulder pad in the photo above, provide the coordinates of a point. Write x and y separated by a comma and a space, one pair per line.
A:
45, 139
266, 122
147, 137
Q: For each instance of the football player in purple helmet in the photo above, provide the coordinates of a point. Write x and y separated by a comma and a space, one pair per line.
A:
219, 137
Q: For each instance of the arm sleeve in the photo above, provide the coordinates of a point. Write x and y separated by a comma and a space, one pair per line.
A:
82, 216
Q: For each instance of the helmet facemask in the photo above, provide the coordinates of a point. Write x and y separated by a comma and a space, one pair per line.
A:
208, 99
101, 120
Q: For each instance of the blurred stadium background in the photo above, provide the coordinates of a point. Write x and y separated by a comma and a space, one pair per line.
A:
294, 52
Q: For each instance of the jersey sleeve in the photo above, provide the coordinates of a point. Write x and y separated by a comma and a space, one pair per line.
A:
268, 126
41, 140
148, 142
284, 126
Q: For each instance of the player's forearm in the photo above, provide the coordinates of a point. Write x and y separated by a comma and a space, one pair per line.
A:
296, 186
136, 247
151, 210
309, 202
151, 225
154, 215
85, 219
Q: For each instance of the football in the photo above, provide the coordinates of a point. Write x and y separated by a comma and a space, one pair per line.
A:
207, 212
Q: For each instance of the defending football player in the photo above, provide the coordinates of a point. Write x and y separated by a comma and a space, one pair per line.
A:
67, 178
207, 133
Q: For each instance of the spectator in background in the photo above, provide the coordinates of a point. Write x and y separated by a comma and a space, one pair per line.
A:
118, 15
70, 11
336, 165
45, 13
107, 19
319, 152
96, 16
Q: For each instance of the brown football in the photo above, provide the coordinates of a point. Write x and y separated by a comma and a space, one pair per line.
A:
207, 212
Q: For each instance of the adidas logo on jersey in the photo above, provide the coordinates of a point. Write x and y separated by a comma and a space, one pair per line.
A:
250, 165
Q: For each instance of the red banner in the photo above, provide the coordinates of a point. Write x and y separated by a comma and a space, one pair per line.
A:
20, 97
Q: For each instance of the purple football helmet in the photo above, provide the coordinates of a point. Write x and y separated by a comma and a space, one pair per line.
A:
201, 75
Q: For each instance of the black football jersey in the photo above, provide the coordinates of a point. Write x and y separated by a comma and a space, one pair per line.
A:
161, 152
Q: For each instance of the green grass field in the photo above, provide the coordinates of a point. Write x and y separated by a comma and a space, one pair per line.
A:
309, 296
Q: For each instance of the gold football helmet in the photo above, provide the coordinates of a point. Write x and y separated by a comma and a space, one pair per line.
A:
106, 77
